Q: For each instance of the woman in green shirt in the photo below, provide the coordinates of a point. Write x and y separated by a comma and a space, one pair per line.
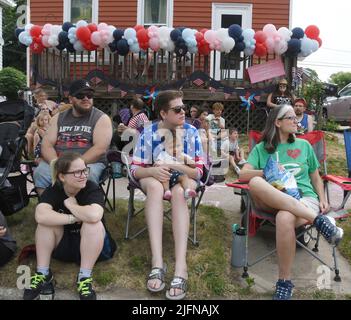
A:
297, 156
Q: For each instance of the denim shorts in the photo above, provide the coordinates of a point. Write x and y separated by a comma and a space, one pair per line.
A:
42, 174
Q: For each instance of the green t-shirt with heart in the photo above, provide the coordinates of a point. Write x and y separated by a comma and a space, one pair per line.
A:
297, 157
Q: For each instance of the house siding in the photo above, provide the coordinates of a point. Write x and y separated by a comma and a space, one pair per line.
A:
198, 13
193, 14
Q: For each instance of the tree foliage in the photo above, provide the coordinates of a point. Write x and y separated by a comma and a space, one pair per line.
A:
11, 80
341, 79
14, 53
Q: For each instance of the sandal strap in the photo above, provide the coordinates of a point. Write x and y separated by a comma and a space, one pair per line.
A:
179, 283
157, 273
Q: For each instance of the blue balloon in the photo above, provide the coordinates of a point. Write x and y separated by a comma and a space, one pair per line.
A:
294, 47
63, 37
70, 48
122, 47
235, 31
18, 31
297, 33
239, 46
66, 26
175, 34
118, 34
113, 46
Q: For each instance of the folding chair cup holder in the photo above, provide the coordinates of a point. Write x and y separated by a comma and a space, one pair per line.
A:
253, 219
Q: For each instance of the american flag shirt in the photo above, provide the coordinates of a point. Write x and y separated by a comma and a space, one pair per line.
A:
150, 144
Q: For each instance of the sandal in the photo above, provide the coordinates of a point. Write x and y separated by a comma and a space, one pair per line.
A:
159, 274
177, 283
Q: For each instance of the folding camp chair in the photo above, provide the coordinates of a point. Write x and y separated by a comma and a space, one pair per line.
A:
195, 202
343, 182
254, 218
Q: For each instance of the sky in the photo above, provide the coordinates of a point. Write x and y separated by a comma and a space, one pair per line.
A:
333, 20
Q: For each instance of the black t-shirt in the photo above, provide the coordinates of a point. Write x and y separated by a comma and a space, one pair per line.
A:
55, 196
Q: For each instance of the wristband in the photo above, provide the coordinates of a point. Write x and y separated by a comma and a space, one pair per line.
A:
71, 219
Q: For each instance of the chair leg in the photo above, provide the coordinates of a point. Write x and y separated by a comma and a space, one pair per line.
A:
337, 277
130, 210
315, 249
245, 273
114, 194
193, 218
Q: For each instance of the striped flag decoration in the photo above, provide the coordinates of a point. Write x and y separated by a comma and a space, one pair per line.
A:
109, 88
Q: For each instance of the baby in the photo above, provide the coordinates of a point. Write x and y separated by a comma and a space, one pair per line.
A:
173, 155
42, 122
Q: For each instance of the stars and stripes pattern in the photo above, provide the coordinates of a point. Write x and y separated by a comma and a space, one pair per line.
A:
198, 82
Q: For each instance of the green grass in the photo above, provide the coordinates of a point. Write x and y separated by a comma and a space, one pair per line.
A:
210, 273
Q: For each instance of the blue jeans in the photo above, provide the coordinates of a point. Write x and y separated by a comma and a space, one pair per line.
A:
42, 174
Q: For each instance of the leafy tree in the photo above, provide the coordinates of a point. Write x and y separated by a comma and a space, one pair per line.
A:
314, 93
11, 80
14, 53
341, 79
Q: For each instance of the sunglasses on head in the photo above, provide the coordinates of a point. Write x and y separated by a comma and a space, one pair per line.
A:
178, 109
82, 95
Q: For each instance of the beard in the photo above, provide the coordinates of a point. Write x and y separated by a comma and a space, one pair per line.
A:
82, 111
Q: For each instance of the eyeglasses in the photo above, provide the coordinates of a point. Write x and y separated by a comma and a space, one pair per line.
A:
82, 95
79, 173
178, 109
293, 118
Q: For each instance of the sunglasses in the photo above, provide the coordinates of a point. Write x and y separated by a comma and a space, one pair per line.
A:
82, 95
178, 109
79, 173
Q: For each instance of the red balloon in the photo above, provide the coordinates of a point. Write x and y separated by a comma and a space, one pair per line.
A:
203, 30
260, 50
37, 47
83, 34
35, 31
138, 27
312, 32
92, 27
143, 39
260, 36
319, 41
204, 49
199, 36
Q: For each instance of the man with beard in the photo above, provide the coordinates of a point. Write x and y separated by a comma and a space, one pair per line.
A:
304, 121
83, 129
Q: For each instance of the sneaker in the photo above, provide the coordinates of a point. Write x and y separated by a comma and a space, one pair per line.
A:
283, 290
40, 287
85, 289
326, 226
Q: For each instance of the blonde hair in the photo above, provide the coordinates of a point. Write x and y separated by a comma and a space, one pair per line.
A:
218, 105
40, 116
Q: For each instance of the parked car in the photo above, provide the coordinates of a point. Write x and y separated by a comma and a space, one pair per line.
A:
338, 108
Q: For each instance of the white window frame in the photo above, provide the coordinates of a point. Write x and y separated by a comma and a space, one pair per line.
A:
245, 9
169, 15
67, 11
94, 19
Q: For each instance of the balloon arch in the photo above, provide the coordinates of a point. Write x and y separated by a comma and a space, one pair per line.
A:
89, 36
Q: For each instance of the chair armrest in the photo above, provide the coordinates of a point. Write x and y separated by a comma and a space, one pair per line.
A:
240, 184
343, 182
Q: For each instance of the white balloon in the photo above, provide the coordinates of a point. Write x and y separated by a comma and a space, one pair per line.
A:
285, 33
248, 34
222, 34
81, 23
28, 26
228, 44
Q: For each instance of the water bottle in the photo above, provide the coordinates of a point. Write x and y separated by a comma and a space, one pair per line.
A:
116, 169
238, 246
47, 292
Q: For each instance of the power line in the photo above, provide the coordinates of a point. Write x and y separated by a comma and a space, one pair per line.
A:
326, 66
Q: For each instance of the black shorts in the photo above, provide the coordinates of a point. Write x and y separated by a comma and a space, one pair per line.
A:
68, 249
174, 179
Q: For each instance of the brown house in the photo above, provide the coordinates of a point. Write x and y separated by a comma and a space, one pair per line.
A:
163, 68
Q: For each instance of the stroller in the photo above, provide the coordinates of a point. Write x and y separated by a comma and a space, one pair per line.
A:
15, 118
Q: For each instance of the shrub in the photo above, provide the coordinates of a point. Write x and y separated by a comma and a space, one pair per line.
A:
11, 80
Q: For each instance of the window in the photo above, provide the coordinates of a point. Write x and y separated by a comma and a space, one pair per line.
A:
155, 12
75, 10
